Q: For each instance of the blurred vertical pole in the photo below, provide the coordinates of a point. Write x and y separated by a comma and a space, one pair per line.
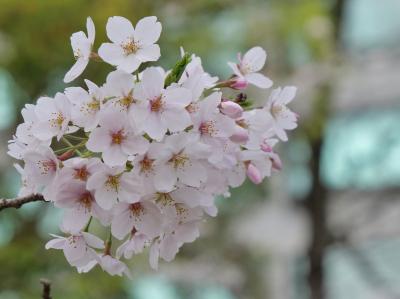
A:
317, 198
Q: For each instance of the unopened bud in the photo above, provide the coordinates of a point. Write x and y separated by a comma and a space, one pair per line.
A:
231, 109
239, 83
276, 161
254, 174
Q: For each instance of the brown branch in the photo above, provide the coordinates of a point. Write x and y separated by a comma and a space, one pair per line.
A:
46, 288
20, 201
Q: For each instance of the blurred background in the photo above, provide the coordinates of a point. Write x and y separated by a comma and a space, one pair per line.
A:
327, 226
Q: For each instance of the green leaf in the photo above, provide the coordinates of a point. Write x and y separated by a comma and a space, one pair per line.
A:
177, 70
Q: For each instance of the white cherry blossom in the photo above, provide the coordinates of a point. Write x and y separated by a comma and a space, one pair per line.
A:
284, 118
77, 248
53, 117
159, 109
82, 47
86, 105
131, 46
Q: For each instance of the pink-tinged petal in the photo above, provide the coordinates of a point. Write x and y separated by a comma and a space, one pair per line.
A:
165, 179
114, 156
134, 145
259, 80
154, 255
111, 53
224, 126
129, 63
75, 219
188, 232
169, 248
119, 29
91, 31
209, 106
177, 97
99, 140
281, 133
148, 53
147, 30
105, 198
254, 59
58, 243
240, 135
96, 180
139, 114
152, 83
74, 250
176, 119
93, 241
154, 127
192, 197
192, 174
122, 224
150, 222
76, 70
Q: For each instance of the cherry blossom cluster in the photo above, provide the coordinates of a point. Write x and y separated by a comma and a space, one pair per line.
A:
146, 153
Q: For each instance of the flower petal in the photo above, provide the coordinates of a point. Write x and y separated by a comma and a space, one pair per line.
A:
119, 29
259, 80
76, 70
147, 30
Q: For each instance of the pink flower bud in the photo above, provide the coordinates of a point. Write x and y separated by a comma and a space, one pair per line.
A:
239, 83
241, 135
266, 147
231, 109
254, 174
276, 161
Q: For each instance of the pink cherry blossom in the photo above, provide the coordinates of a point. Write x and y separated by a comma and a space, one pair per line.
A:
115, 139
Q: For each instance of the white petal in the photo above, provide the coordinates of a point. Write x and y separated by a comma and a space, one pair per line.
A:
119, 29
114, 156
106, 199
259, 80
135, 145
152, 83
165, 179
235, 69
177, 97
254, 59
90, 30
154, 127
55, 243
193, 174
169, 248
111, 53
149, 53
154, 256
129, 63
122, 224
288, 93
75, 219
99, 140
176, 119
93, 241
147, 30
76, 70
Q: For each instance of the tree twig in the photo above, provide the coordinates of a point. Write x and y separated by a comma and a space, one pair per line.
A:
46, 288
20, 201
